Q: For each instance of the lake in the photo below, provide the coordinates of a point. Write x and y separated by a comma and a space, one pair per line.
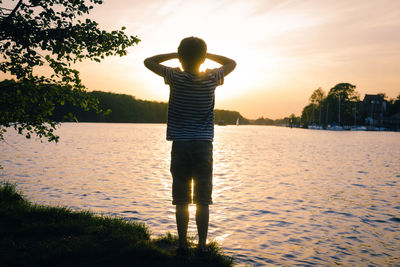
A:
281, 196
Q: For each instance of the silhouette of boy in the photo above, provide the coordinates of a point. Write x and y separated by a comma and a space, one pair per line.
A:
191, 128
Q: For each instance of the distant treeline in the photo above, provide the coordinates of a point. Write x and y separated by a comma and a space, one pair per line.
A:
128, 109
267, 121
118, 108
123, 108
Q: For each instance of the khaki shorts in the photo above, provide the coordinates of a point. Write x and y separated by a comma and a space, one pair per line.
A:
192, 161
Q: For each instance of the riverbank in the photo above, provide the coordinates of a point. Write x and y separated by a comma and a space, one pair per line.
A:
35, 235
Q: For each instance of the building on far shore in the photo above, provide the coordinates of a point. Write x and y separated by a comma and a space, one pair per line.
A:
394, 121
374, 109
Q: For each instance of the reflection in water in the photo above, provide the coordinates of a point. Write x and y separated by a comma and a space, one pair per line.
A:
282, 196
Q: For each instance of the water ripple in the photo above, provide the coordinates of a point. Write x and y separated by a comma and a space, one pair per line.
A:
282, 197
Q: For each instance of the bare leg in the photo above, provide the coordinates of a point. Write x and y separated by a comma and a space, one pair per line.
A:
202, 216
182, 221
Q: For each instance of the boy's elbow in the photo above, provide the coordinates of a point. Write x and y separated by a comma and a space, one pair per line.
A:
232, 65
149, 63
146, 62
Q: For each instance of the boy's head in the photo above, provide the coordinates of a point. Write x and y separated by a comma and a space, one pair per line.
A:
192, 52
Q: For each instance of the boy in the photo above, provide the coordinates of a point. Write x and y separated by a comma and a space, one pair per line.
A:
191, 128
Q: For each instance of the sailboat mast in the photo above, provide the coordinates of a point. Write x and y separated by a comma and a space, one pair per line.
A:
339, 110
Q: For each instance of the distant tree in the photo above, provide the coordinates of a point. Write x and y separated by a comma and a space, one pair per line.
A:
229, 117
383, 95
317, 96
48, 33
346, 91
393, 106
396, 104
343, 97
307, 114
293, 120
263, 121
312, 111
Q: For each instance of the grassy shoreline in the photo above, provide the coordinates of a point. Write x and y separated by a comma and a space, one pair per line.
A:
36, 235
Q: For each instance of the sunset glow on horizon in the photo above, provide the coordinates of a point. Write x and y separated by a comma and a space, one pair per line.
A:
284, 49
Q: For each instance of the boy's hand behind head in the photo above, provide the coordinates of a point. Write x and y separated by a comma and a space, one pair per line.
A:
192, 52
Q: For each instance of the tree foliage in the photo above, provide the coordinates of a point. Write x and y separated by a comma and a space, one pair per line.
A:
342, 100
263, 121
346, 91
121, 108
394, 106
309, 114
29, 108
317, 96
229, 117
56, 34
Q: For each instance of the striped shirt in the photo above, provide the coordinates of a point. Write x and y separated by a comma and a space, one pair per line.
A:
191, 104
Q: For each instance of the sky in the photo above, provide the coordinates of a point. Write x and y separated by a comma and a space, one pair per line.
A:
284, 49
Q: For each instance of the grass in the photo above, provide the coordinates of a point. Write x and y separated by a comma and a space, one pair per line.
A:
35, 235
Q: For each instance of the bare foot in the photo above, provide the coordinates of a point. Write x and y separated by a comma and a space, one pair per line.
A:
202, 248
183, 249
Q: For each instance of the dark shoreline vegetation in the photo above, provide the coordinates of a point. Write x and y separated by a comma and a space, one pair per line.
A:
36, 235
123, 108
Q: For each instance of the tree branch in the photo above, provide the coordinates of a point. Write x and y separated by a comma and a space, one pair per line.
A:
15, 9
3, 8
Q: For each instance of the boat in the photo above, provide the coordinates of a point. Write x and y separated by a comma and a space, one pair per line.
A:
335, 127
315, 127
358, 128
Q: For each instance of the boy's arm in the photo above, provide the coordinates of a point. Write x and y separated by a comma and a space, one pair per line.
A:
227, 64
153, 63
